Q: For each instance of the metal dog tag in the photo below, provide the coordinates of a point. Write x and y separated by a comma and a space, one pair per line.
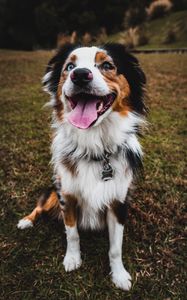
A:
107, 172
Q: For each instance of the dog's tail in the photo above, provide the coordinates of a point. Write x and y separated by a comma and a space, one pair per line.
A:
49, 203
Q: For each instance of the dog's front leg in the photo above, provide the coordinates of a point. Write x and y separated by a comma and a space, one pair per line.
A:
72, 259
120, 276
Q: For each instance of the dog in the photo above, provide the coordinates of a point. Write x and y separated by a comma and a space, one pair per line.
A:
97, 96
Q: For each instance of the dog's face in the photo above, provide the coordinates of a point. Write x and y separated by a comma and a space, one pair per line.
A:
89, 83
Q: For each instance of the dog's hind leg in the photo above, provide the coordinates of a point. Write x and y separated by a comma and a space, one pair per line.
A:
48, 202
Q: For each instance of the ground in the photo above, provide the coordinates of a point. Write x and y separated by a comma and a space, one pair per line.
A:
154, 245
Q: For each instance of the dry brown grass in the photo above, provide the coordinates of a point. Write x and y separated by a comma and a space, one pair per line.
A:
154, 241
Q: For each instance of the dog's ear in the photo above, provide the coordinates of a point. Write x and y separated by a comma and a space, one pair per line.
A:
54, 68
128, 65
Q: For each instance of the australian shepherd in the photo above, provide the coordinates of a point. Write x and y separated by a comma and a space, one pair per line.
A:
97, 96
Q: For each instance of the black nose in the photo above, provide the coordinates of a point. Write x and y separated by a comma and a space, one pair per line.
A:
81, 76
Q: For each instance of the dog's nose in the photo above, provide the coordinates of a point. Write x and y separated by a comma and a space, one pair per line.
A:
81, 76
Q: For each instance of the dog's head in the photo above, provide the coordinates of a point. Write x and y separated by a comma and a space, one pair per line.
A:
89, 83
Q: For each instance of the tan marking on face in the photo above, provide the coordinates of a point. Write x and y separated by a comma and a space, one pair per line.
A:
70, 210
116, 83
72, 58
119, 85
101, 57
121, 103
59, 106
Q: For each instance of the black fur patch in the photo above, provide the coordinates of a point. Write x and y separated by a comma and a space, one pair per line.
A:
120, 210
128, 65
134, 160
55, 65
45, 195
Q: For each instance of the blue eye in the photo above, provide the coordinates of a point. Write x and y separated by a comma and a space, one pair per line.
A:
107, 66
70, 67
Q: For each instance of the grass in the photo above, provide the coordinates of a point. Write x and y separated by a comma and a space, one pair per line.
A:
154, 245
157, 31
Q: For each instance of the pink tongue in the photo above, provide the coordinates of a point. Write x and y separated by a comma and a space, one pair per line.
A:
84, 113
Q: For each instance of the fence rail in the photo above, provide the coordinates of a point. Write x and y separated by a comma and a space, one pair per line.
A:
176, 50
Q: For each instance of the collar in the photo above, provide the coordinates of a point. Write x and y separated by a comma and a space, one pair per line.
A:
105, 156
134, 160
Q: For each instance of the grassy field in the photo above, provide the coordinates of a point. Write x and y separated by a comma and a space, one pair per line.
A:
154, 245
157, 32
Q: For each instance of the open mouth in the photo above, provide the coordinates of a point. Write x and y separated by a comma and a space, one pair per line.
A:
87, 108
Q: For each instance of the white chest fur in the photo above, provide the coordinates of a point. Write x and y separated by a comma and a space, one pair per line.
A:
94, 194
89, 186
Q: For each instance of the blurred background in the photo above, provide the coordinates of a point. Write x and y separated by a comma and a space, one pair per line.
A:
39, 24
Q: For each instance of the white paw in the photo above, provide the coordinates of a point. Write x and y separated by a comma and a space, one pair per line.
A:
72, 262
24, 223
122, 280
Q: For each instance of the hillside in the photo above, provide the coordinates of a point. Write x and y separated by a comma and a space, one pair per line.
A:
167, 32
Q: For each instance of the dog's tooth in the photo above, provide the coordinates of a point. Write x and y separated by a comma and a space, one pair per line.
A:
100, 106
